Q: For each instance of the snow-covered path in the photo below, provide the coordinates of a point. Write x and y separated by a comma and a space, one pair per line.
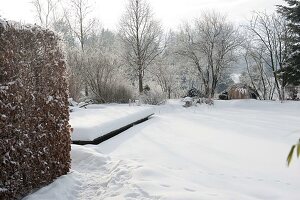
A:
235, 150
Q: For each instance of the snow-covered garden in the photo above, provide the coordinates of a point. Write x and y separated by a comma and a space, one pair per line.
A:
231, 150
151, 100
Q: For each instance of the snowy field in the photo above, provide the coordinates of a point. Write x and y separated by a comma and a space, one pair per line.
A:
234, 150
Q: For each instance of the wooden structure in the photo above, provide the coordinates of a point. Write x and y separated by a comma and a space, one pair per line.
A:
241, 91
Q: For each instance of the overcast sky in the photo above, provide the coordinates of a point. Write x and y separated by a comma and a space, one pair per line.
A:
170, 12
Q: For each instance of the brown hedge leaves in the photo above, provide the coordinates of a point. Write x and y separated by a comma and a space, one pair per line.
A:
34, 131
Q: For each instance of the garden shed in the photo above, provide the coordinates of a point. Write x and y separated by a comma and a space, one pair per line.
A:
241, 91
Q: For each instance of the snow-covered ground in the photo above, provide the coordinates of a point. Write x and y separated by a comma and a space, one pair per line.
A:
234, 150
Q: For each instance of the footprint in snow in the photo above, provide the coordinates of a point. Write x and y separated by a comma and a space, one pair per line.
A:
164, 185
189, 190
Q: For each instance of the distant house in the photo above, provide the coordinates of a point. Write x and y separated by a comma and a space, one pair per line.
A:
241, 91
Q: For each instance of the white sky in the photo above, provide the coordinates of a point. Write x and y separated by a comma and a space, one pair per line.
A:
171, 12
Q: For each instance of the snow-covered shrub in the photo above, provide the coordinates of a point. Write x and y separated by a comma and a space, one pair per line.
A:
72, 102
101, 74
188, 102
292, 92
120, 94
209, 101
193, 92
34, 128
223, 96
152, 98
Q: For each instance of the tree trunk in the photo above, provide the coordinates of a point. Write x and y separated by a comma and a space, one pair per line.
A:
86, 91
277, 86
206, 91
141, 82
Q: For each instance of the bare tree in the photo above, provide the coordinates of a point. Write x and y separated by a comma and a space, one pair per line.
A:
75, 76
258, 73
166, 69
102, 76
166, 76
99, 75
271, 32
210, 45
80, 22
141, 36
45, 11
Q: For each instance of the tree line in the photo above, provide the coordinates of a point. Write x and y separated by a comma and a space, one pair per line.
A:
114, 66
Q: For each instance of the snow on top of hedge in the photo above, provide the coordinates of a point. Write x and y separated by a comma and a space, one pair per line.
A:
18, 25
3, 23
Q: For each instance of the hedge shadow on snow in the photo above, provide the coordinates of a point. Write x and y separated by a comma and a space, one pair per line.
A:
34, 131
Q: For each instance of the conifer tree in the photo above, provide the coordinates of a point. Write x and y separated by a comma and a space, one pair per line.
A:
292, 14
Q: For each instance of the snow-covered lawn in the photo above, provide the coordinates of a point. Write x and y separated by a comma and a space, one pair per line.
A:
234, 150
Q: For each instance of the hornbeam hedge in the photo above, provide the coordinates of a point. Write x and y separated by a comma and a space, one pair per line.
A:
34, 130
